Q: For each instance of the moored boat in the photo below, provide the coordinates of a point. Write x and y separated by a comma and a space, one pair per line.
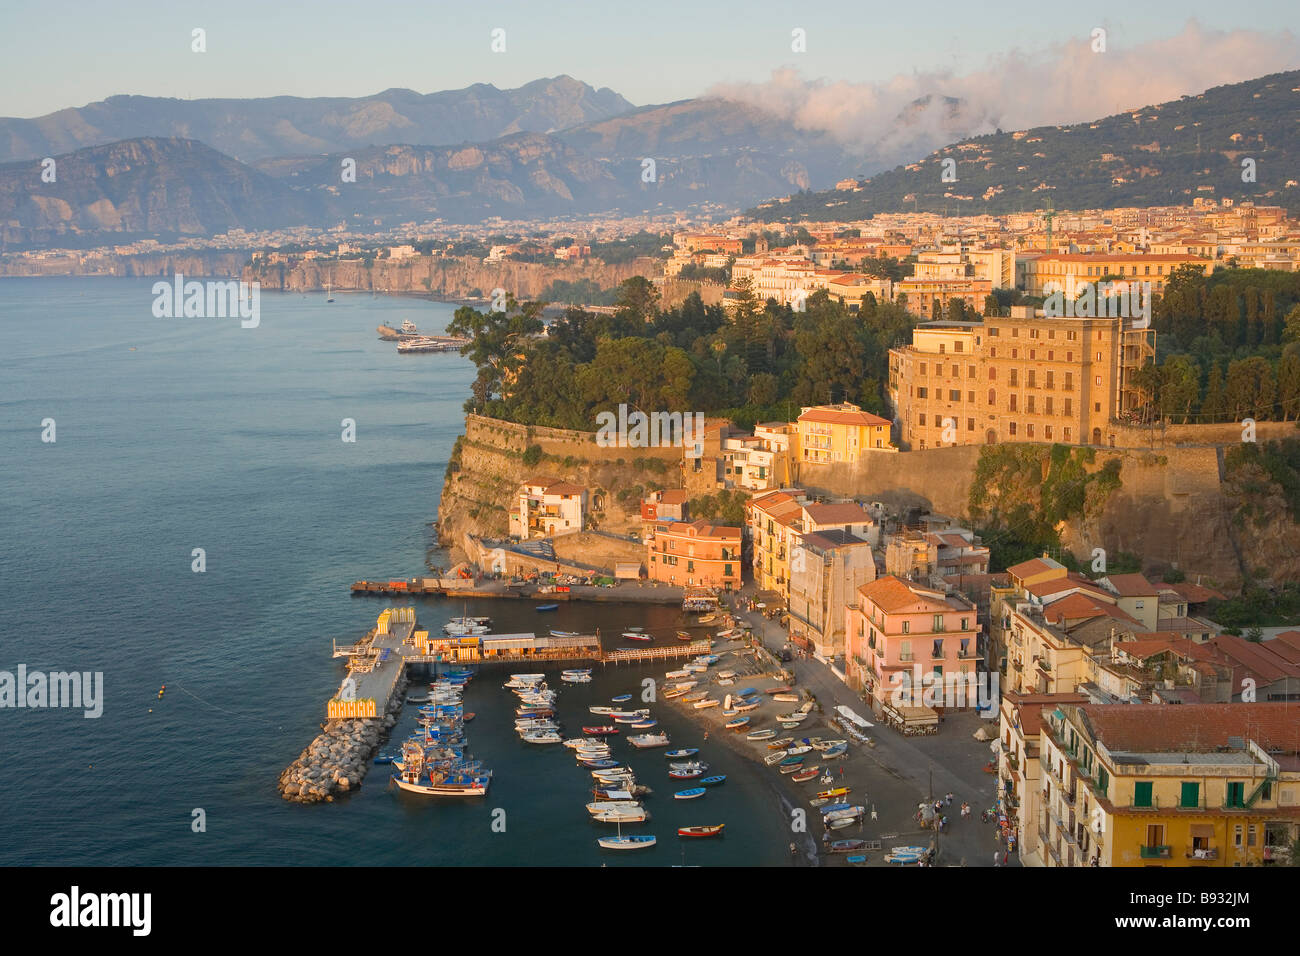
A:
690, 794
701, 831
627, 842
761, 734
714, 780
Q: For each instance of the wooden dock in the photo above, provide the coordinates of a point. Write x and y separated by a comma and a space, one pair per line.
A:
638, 655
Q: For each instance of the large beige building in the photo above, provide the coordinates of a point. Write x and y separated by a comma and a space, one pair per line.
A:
1021, 378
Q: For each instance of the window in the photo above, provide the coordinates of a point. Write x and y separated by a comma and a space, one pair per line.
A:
993, 352
1047, 432
1142, 794
1048, 409
993, 397
1013, 402
954, 395
970, 371
1015, 378
993, 375
1069, 405
957, 346
970, 397
1065, 434
922, 391
1190, 797
922, 368
936, 651
1050, 382
1029, 404
907, 628
1030, 373
1236, 794
970, 422
922, 419
1011, 428
1029, 429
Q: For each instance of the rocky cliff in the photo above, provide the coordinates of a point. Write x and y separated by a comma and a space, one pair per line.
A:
445, 278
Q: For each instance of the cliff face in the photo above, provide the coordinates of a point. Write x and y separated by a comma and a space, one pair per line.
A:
488, 465
1173, 507
449, 278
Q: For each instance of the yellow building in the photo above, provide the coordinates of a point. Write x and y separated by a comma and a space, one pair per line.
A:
830, 434
1068, 271
1018, 378
774, 523
1169, 785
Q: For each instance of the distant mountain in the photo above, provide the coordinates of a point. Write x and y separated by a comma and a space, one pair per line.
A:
252, 129
143, 187
1168, 154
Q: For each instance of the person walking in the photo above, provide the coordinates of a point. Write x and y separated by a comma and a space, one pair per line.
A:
996, 857
873, 813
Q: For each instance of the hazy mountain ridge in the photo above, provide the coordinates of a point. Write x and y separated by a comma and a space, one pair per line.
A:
253, 129
1164, 154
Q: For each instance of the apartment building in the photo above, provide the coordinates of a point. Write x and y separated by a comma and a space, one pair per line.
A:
826, 570
545, 507
1156, 785
696, 554
833, 434
1019, 768
928, 556
1017, 378
1039, 275
895, 627
773, 520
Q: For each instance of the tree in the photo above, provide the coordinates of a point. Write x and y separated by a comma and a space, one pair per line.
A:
1215, 406
638, 297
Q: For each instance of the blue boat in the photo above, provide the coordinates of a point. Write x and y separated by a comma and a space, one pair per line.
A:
600, 764
643, 724
683, 752
748, 690
546, 607
857, 860
835, 806
835, 751
713, 781
690, 794
621, 698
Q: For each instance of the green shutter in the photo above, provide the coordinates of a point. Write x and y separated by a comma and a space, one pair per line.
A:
1142, 794
1191, 796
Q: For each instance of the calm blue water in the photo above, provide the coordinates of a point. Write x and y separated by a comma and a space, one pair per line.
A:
212, 436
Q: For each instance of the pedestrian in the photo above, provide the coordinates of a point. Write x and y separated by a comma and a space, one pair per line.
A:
948, 798
873, 812
1004, 857
996, 857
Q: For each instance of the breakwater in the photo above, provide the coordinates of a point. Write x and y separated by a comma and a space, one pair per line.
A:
339, 758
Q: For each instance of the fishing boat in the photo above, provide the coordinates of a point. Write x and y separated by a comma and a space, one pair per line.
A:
794, 761
905, 855
612, 806
682, 752
565, 634
706, 703
602, 731
798, 749
634, 635
847, 846
840, 823
737, 723
820, 743
775, 758
835, 792
805, 774
838, 750
683, 636
685, 774
604, 711
621, 698
638, 815
546, 607
848, 813
786, 698
780, 744
856, 860
792, 718
707, 619
790, 768
696, 668
828, 807
689, 765
677, 674
696, 697
714, 780
778, 690
701, 831
576, 678
690, 794
627, 842
644, 724
745, 708
646, 741
728, 675
726, 681
542, 737
761, 734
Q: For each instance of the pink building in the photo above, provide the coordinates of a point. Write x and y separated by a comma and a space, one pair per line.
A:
898, 633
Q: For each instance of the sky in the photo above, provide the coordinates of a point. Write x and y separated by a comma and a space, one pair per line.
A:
66, 53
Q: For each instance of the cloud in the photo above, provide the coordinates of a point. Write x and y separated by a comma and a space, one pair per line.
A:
910, 115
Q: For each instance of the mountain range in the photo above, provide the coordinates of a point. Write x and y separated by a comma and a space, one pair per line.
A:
1240, 142
143, 166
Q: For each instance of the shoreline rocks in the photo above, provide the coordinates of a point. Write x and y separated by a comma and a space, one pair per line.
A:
339, 758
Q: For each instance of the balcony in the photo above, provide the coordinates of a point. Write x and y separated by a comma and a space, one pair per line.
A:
1153, 852
1205, 853
905, 656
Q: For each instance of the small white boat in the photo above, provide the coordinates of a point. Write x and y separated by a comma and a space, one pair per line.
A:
791, 718
598, 709
675, 675
576, 678
612, 806
706, 703
644, 741
542, 737
637, 815
627, 842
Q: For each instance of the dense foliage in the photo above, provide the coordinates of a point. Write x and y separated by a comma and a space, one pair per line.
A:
762, 361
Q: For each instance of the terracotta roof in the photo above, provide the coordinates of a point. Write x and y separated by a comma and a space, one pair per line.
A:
833, 416
1083, 607
843, 513
1263, 664
1044, 589
565, 488
893, 595
1027, 569
1195, 593
1192, 728
1131, 585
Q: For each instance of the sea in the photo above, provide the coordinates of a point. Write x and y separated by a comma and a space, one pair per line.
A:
191, 533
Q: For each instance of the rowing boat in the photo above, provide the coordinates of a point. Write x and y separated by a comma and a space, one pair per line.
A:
690, 794
701, 831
